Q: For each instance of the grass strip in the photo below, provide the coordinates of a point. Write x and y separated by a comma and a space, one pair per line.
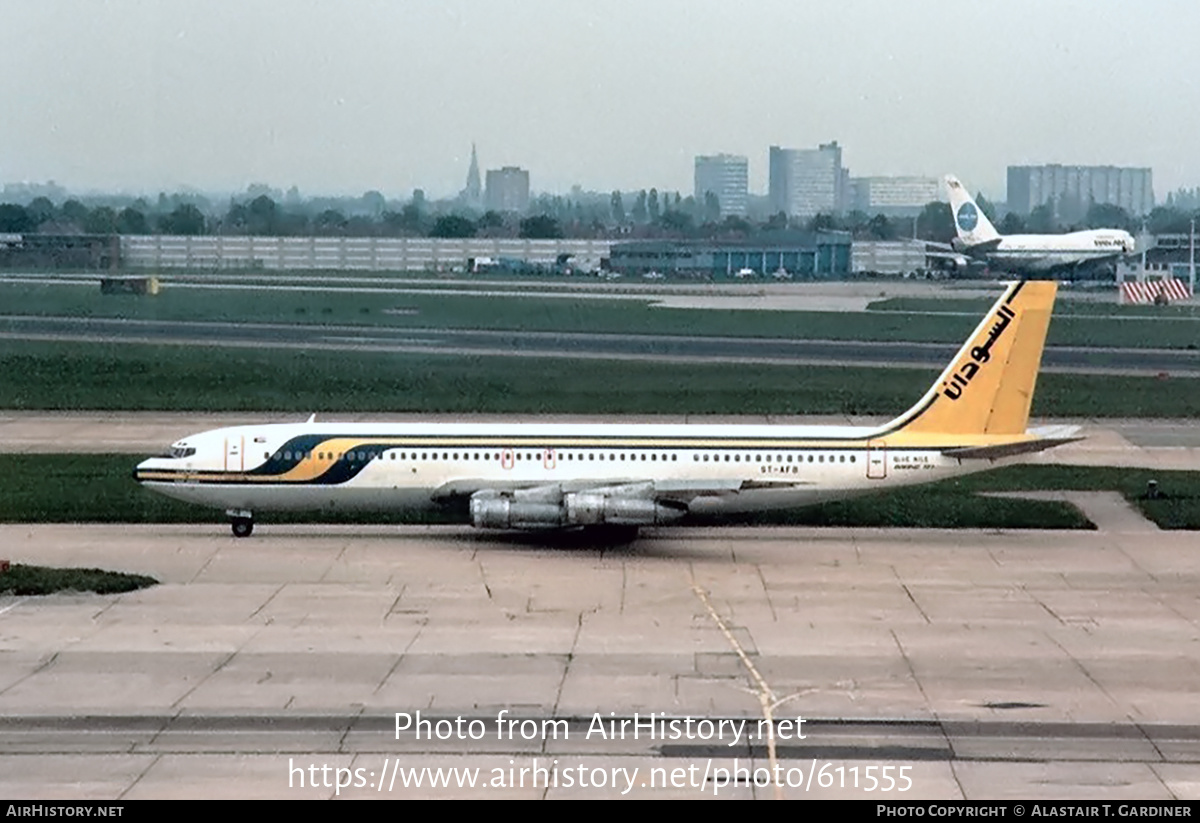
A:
131, 377
903, 319
24, 580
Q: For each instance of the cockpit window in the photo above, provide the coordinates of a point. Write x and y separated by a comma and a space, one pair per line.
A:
179, 452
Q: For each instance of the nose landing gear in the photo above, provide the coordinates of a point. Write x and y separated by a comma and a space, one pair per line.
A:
242, 522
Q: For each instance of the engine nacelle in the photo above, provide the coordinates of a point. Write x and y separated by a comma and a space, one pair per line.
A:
594, 508
499, 512
548, 508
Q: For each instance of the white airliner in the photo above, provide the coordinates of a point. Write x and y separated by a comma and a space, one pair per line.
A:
1029, 253
561, 476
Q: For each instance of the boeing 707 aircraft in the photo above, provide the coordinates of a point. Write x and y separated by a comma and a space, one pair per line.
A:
1037, 254
561, 476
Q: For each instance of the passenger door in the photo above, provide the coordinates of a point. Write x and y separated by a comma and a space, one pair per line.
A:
235, 460
876, 460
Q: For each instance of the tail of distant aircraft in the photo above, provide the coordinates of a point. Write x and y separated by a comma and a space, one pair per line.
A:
988, 387
970, 222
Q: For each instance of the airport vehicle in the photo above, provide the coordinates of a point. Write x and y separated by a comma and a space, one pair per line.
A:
556, 476
1027, 254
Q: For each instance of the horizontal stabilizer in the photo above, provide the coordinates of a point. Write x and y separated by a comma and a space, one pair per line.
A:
984, 247
1009, 449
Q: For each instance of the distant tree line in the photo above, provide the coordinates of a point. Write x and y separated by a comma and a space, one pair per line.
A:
642, 214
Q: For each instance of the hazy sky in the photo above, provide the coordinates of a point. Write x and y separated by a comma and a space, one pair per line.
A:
340, 97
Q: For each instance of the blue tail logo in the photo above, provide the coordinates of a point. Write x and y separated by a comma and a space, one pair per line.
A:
967, 217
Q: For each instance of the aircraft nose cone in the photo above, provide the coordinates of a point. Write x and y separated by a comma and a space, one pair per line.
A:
136, 473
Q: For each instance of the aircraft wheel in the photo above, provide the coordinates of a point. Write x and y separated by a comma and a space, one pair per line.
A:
242, 527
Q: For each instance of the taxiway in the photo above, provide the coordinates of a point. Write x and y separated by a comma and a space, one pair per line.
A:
1036, 664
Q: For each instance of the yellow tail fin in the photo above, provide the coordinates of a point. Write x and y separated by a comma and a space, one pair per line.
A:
988, 386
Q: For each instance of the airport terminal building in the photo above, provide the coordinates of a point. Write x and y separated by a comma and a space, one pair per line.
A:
802, 255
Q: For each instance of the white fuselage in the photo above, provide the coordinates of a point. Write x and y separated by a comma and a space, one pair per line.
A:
1046, 252
714, 469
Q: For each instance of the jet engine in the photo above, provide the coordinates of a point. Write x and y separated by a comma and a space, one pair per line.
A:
548, 507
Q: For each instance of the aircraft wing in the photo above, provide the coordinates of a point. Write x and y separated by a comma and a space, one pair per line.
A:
587, 503
644, 489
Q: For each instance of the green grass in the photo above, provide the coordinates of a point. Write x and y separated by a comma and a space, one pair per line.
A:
1075, 322
73, 376
56, 488
23, 580
900, 320
1177, 505
1064, 306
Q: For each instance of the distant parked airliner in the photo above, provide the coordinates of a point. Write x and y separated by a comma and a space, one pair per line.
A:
1036, 254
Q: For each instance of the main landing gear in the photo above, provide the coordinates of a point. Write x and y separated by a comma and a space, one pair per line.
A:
243, 523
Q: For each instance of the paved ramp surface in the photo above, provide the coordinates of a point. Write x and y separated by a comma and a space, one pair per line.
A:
985, 665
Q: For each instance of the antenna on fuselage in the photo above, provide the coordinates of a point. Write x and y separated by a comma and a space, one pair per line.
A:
312, 417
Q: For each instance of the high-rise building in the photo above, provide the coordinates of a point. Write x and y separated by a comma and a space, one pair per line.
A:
727, 177
507, 189
806, 182
1072, 190
892, 195
472, 195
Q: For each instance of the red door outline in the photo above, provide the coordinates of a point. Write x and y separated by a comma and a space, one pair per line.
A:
234, 452
876, 460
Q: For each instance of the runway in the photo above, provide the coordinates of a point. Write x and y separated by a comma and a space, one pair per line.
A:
988, 665
564, 344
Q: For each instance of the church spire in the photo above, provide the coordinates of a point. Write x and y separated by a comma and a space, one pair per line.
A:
473, 193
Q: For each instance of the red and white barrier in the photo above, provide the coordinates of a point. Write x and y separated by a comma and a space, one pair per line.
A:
1147, 291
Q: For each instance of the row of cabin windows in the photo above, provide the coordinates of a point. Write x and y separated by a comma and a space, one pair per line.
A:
519, 456
778, 458
363, 456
